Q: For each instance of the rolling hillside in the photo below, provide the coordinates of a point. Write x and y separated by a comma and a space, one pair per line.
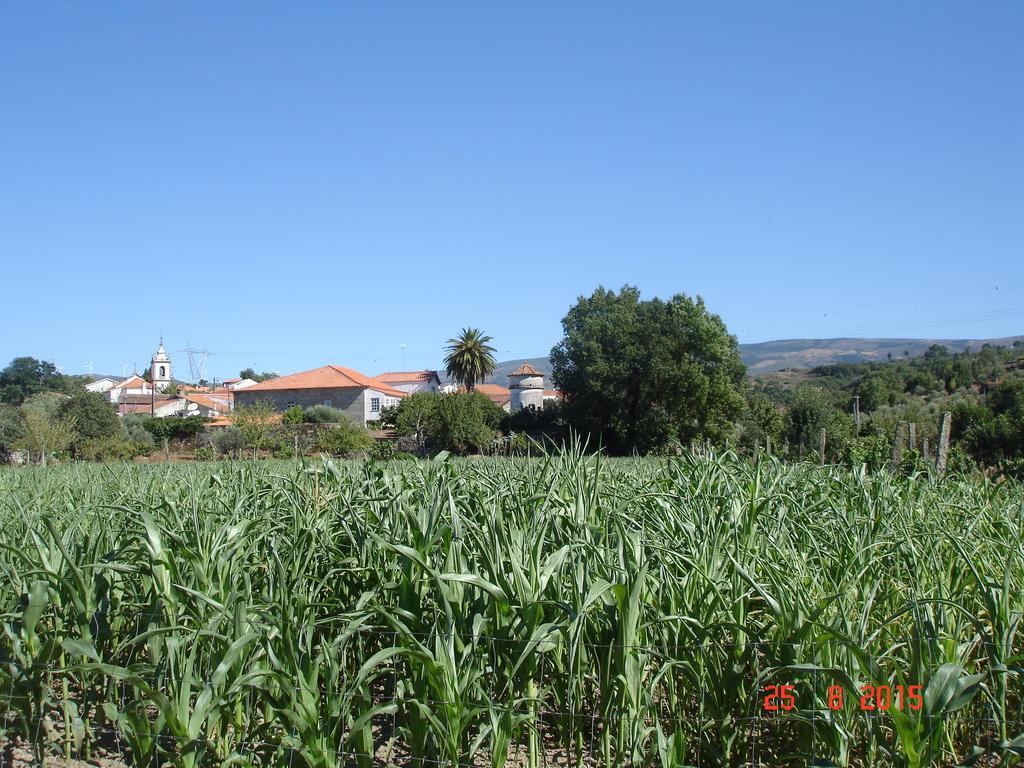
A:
769, 356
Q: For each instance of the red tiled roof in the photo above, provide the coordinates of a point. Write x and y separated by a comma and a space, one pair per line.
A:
393, 377
494, 392
526, 370
132, 382
326, 377
553, 393
231, 381
126, 399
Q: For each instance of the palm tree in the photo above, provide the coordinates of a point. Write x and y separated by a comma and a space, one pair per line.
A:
469, 358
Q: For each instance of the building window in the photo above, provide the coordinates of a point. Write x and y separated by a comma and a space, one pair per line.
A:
374, 405
162, 372
327, 403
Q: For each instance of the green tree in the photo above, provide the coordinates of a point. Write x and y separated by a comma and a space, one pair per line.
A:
94, 418
642, 374
413, 414
760, 421
250, 373
874, 392
463, 423
256, 422
470, 359
811, 412
11, 430
26, 376
44, 431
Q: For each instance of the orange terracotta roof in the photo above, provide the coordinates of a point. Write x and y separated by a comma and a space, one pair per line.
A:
133, 382
231, 381
493, 392
392, 377
526, 370
492, 389
553, 393
326, 377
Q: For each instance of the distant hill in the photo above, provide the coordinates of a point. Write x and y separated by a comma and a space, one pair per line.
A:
808, 353
768, 356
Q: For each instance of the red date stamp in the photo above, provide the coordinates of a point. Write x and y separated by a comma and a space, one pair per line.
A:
871, 698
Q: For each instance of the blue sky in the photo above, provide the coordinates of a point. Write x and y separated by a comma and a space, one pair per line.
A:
292, 184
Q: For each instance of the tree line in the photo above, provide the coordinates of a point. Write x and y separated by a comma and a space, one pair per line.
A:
637, 376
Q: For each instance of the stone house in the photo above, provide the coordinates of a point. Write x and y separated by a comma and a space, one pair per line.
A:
361, 397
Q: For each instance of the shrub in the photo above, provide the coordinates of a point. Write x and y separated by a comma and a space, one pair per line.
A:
174, 428
324, 414
293, 415
228, 440
345, 439
104, 448
382, 450
283, 448
205, 453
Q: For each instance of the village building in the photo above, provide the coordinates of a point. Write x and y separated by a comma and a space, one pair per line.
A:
361, 397
526, 388
133, 385
234, 384
101, 385
411, 381
141, 402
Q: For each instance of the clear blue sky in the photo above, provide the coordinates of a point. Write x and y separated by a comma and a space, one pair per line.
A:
291, 184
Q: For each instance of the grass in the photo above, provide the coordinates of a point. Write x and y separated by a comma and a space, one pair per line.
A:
619, 612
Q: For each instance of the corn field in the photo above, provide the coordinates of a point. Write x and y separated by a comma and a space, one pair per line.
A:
562, 610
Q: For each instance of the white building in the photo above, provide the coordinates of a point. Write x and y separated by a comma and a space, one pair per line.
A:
526, 388
101, 385
133, 385
239, 383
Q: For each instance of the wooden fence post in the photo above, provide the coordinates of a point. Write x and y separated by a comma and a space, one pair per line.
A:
897, 446
942, 452
821, 446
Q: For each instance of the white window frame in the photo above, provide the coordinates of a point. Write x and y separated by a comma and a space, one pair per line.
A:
374, 405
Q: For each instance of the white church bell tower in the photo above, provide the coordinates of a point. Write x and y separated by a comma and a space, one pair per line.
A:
160, 369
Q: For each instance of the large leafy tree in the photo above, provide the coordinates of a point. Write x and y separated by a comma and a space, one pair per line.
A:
45, 431
642, 374
26, 376
470, 359
94, 418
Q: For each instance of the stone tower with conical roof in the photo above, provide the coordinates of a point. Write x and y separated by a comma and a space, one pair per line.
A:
160, 369
526, 388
